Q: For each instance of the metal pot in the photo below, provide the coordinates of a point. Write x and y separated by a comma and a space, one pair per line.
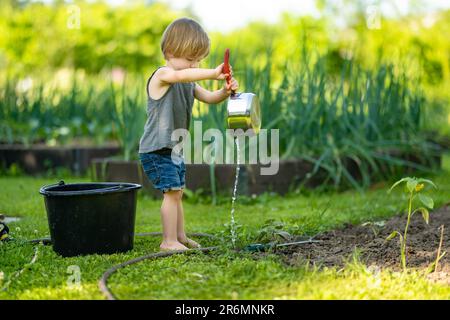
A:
243, 109
244, 112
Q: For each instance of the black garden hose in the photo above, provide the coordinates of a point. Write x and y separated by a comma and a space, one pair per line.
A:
103, 281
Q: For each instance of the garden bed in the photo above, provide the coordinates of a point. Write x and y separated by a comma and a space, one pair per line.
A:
39, 158
338, 246
291, 174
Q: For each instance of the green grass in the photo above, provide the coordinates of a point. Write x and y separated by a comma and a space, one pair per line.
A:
223, 274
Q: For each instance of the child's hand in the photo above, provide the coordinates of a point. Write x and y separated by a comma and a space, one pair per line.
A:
219, 75
232, 86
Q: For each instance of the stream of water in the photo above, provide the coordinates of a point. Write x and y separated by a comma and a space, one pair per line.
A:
233, 199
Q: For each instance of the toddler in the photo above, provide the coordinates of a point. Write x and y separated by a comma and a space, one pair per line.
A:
171, 91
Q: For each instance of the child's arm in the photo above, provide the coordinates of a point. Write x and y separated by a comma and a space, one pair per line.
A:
210, 97
169, 75
217, 96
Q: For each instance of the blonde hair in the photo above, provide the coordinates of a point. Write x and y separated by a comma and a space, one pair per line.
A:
185, 38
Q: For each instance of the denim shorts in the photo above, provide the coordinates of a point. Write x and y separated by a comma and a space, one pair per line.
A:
166, 172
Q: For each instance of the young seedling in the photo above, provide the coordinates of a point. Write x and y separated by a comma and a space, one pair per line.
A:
434, 266
376, 226
413, 186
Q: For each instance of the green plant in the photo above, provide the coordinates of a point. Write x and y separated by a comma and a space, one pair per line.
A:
129, 118
273, 231
54, 115
194, 196
226, 235
14, 170
434, 266
366, 119
414, 188
376, 226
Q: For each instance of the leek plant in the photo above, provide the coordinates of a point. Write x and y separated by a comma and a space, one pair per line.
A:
129, 118
370, 119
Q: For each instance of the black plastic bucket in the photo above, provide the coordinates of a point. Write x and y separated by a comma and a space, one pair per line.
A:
88, 218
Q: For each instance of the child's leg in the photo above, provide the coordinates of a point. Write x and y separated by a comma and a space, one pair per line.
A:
181, 234
169, 213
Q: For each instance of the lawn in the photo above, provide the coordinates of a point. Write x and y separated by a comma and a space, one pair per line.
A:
224, 273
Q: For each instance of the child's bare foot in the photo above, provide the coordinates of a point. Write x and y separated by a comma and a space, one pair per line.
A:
171, 246
189, 243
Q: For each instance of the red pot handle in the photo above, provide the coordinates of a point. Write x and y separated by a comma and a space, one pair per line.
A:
226, 67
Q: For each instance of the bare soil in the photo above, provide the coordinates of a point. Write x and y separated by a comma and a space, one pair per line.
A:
337, 247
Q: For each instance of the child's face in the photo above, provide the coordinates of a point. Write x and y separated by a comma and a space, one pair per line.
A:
183, 63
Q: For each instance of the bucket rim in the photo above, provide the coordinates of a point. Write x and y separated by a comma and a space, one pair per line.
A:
114, 187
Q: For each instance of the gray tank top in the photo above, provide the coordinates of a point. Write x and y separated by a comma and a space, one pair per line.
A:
170, 112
